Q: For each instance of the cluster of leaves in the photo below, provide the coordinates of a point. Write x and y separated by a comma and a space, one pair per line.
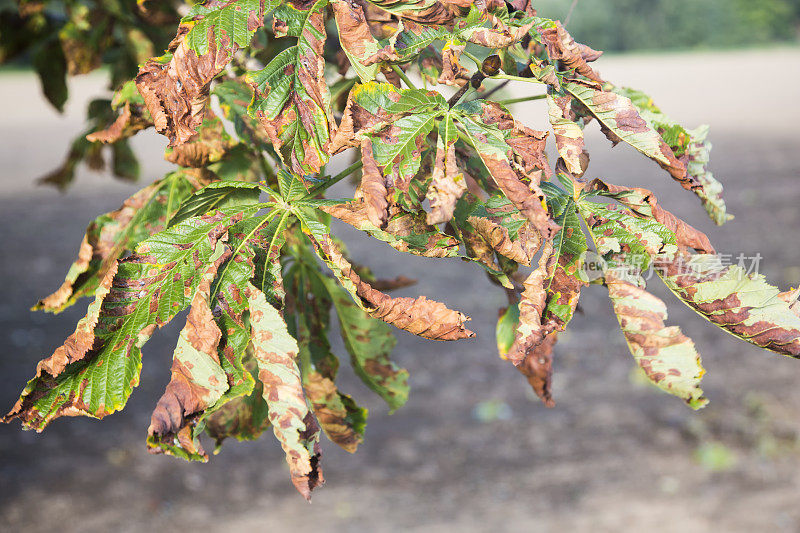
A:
240, 234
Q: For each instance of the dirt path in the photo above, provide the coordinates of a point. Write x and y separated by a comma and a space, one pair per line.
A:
612, 456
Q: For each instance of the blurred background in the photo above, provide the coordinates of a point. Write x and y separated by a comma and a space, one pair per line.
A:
473, 450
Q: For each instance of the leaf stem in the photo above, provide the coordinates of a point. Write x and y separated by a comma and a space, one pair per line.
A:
335, 179
514, 78
474, 59
523, 99
403, 76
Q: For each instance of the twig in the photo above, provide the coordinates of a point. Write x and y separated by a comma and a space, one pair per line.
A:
494, 89
571, 9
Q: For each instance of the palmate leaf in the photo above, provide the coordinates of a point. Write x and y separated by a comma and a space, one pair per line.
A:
148, 290
513, 155
553, 288
243, 253
109, 236
291, 99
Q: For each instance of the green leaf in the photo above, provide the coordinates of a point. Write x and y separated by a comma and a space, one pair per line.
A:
218, 195
507, 329
230, 24
339, 416
149, 289
563, 283
291, 98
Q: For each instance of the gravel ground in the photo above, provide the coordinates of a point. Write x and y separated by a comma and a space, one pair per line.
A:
612, 456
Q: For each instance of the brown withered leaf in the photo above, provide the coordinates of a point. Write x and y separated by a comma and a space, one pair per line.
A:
562, 47
210, 145
568, 134
175, 89
404, 231
453, 73
356, 38
645, 204
126, 125
538, 368
499, 239
330, 410
530, 330
373, 187
424, 11
514, 156
499, 35
447, 182
365, 112
420, 316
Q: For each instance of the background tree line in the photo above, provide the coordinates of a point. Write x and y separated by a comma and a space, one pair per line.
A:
623, 25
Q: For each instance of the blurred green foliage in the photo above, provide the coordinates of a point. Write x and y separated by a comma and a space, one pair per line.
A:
624, 25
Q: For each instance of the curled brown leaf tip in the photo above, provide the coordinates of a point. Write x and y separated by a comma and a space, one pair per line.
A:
538, 368
126, 125
309, 477
176, 92
197, 380
530, 330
